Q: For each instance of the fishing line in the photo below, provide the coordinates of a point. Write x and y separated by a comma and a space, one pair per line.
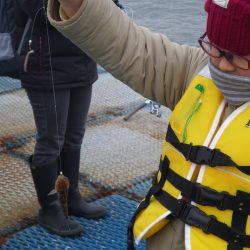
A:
53, 84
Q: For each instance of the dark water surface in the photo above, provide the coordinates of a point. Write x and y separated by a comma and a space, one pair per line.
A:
183, 21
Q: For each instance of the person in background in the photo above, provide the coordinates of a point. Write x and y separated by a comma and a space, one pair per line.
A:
58, 78
200, 197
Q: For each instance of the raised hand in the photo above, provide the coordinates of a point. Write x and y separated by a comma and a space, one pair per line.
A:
70, 6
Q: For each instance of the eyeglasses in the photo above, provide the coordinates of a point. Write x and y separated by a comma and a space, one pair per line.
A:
212, 50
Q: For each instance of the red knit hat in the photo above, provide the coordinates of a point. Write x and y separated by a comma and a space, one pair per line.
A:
228, 24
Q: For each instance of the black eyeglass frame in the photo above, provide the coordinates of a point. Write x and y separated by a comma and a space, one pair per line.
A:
226, 54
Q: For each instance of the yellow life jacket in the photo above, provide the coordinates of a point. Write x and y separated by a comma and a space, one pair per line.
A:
204, 173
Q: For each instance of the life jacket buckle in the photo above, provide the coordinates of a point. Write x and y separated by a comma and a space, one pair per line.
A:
222, 206
205, 155
201, 155
209, 197
193, 216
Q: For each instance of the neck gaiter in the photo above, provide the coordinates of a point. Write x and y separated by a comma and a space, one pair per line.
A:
236, 89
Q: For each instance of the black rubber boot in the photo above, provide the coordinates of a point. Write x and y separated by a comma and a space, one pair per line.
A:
70, 162
51, 214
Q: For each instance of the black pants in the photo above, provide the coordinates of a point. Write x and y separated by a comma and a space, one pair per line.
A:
72, 107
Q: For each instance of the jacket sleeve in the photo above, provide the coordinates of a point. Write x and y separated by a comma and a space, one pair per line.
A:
146, 61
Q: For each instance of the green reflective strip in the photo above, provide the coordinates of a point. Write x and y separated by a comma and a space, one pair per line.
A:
196, 107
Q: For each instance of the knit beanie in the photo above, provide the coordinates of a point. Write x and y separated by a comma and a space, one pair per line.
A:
228, 24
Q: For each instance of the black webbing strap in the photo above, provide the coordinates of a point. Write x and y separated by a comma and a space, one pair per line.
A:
206, 196
199, 154
239, 221
156, 188
193, 216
